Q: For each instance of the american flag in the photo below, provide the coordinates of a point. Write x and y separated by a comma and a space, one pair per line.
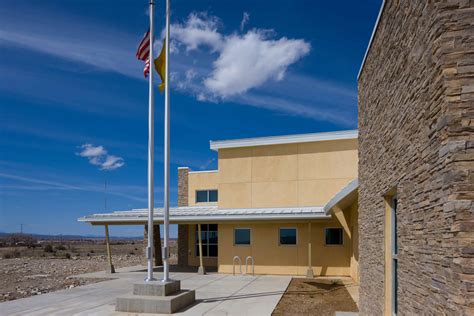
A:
143, 52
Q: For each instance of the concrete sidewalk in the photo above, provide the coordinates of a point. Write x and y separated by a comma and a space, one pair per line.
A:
216, 294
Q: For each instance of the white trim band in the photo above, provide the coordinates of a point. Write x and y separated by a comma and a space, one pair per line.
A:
286, 139
204, 171
371, 38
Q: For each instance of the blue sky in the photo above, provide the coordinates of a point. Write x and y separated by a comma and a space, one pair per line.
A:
73, 100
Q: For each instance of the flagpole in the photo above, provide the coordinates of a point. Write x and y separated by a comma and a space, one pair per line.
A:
151, 155
167, 150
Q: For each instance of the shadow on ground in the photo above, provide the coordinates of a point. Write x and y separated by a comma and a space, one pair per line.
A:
176, 268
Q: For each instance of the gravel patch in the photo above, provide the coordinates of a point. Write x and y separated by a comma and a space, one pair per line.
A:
23, 277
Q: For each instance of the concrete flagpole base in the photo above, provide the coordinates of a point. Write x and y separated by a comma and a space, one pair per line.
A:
309, 273
156, 297
201, 270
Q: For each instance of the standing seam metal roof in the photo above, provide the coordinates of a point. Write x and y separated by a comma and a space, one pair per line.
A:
210, 213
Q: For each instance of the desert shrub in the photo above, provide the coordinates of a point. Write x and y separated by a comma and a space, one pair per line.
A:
12, 254
48, 248
67, 255
88, 254
131, 253
60, 247
92, 251
135, 249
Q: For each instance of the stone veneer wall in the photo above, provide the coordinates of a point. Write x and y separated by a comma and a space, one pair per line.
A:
183, 175
156, 244
416, 125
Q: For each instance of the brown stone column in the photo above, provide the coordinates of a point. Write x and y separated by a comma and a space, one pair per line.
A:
183, 238
183, 235
156, 243
183, 175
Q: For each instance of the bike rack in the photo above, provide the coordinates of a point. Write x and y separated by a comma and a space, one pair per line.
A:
233, 264
247, 265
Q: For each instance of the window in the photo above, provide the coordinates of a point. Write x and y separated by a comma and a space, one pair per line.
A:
209, 240
334, 236
204, 196
242, 236
288, 236
393, 220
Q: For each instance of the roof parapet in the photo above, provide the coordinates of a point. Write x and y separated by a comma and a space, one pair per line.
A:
285, 139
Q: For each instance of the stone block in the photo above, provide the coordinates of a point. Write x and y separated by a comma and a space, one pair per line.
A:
157, 288
156, 304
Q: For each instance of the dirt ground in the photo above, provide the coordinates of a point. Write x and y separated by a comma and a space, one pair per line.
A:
312, 297
34, 271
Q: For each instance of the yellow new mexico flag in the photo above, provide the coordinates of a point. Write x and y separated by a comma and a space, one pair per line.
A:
160, 66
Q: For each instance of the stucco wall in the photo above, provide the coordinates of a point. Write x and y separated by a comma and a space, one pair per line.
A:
272, 258
305, 174
416, 115
201, 181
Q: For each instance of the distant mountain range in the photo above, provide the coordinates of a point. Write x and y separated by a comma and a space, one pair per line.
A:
70, 237
67, 237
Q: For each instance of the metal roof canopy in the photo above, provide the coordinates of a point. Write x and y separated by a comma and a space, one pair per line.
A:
206, 214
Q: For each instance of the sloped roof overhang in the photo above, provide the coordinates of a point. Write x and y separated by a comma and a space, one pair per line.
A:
343, 198
206, 214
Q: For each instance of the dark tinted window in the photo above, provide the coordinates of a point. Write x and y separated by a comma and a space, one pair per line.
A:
242, 236
212, 251
334, 236
209, 240
201, 196
212, 195
287, 236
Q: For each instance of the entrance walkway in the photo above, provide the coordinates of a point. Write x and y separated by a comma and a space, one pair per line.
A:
216, 294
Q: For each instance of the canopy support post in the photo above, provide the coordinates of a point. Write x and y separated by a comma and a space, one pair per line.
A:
201, 269
309, 272
110, 266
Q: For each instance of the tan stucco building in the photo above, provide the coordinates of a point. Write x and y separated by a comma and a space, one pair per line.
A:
287, 202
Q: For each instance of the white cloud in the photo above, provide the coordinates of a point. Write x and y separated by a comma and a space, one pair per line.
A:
198, 43
244, 61
40, 184
91, 151
112, 162
199, 29
245, 20
98, 156
249, 61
